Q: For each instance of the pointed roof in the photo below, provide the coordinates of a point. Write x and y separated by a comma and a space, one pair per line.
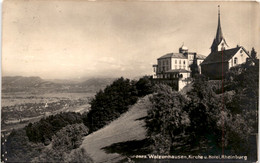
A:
216, 57
219, 35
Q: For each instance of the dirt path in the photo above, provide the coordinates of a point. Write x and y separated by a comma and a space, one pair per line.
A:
125, 128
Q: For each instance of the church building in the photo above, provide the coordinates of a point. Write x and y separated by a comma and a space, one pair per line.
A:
175, 68
222, 58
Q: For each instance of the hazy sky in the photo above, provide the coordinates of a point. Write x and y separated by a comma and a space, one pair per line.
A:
76, 38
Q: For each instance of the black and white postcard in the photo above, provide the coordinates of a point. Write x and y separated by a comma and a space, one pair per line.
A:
116, 81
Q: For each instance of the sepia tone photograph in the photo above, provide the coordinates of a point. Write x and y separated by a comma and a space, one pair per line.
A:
130, 81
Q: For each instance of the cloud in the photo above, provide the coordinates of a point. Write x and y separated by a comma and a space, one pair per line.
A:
62, 39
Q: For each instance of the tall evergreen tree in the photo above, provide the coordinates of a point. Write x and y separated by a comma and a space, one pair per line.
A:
194, 67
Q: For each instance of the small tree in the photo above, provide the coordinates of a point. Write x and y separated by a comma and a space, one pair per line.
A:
194, 67
111, 103
65, 145
253, 53
166, 119
69, 137
144, 86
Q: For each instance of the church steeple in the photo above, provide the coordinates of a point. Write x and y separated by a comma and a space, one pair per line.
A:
219, 36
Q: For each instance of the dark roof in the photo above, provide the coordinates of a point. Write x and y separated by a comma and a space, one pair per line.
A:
180, 55
199, 56
173, 55
216, 57
177, 70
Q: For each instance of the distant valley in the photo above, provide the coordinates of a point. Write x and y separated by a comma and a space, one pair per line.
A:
38, 85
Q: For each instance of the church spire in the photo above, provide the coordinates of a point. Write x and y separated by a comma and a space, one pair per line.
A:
219, 35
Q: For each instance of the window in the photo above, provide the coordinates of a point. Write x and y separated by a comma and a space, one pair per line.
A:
175, 66
166, 62
235, 61
184, 62
176, 61
180, 62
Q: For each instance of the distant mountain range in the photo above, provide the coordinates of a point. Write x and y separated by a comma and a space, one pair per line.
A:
38, 85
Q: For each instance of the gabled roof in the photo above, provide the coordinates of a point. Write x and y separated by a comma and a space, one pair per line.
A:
216, 57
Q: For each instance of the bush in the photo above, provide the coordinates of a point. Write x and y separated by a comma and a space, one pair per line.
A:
177, 125
166, 119
19, 148
69, 137
144, 86
43, 130
210, 114
111, 103
65, 145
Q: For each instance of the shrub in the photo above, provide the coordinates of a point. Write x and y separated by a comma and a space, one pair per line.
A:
166, 119
19, 148
69, 137
65, 145
144, 86
43, 130
110, 103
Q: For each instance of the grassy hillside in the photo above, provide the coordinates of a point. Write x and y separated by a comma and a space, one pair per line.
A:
126, 128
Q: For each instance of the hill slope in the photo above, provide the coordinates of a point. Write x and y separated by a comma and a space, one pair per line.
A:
125, 128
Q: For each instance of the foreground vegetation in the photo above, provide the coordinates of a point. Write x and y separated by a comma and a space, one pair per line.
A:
58, 137
205, 121
202, 120
115, 100
54, 139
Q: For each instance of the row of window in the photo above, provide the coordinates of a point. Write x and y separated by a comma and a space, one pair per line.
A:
160, 69
163, 68
180, 67
163, 62
165, 65
166, 62
176, 61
